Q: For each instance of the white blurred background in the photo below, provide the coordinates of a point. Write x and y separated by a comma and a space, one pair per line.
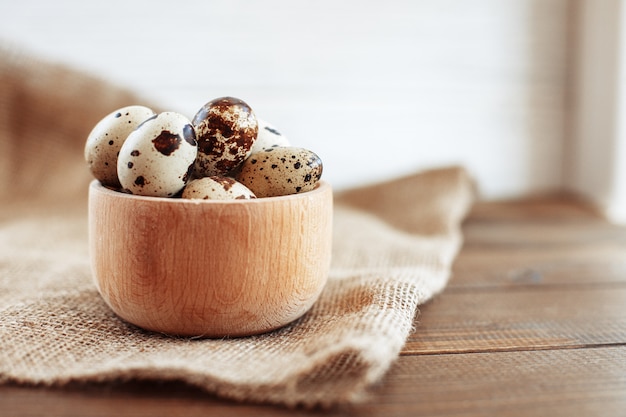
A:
377, 88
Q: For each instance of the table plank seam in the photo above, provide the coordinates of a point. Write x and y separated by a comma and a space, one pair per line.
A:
462, 289
516, 349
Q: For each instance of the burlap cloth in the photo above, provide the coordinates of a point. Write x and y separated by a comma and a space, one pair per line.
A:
393, 247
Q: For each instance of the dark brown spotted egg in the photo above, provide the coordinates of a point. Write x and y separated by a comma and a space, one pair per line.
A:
157, 158
226, 129
106, 138
217, 188
281, 171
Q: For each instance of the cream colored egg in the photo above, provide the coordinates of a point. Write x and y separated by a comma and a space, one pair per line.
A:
106, 138
268, 137
158, 157
281, 171
217, 188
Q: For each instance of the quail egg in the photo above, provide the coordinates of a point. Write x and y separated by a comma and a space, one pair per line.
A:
157, 158
226, 129
106, 139
281, 171
268, 137
217, 188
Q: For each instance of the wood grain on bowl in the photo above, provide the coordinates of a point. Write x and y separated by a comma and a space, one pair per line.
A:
210, 268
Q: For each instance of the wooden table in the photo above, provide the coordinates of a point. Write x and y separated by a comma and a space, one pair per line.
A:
532, 323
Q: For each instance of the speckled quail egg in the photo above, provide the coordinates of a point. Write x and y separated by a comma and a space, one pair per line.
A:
268, 137
157, 157
106, 138
217, 188
281, 171
226, 128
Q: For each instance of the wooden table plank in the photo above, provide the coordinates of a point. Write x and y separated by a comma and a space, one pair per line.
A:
521, 319
546, 222
576, 382
552, 207
121, 399
546, 241
586, 265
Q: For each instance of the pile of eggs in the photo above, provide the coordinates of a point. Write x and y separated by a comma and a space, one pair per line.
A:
224, 152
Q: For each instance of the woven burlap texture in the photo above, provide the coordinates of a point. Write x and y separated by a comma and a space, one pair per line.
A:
393, 247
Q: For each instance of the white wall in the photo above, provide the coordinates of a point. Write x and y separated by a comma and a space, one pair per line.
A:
596, 163
376, 88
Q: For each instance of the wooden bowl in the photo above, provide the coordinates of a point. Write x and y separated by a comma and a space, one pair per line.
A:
210, 268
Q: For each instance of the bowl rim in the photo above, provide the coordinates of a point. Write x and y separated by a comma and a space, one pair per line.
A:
320, 187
